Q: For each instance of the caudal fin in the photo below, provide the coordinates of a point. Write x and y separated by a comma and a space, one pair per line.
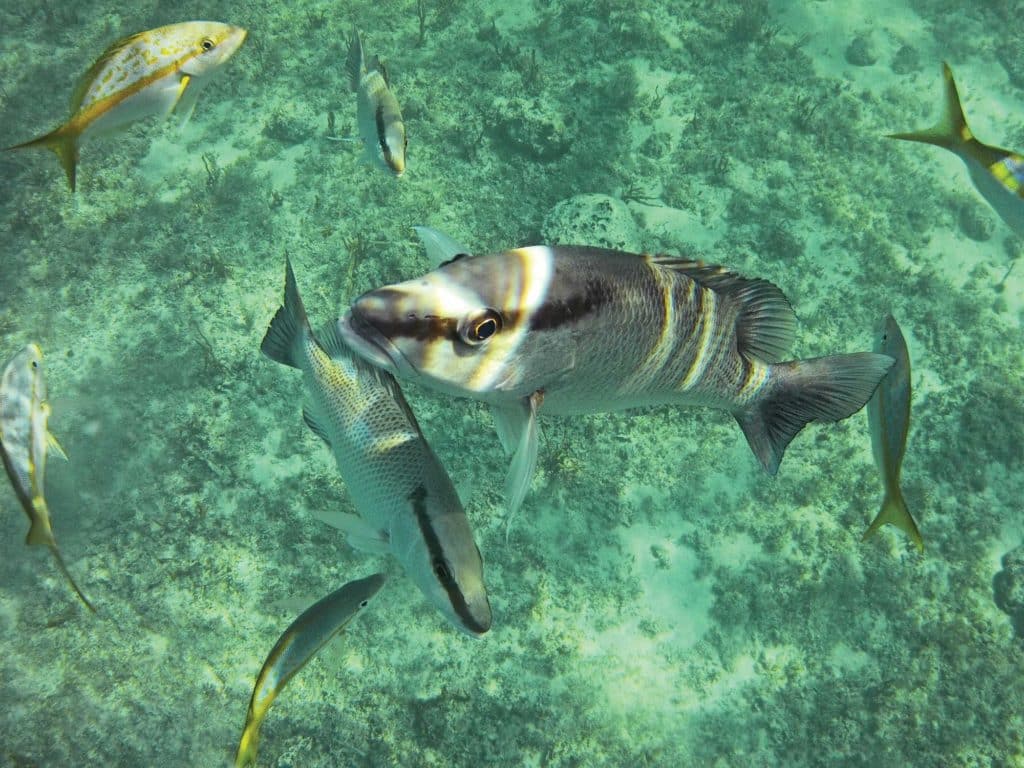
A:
71, 581
283, 337
802, 391
951, 131
894, 512
62, 143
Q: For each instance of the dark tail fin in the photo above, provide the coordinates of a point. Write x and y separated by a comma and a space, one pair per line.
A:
894, 512
801, 391
71, 581
951, 131
284, 335
62, 143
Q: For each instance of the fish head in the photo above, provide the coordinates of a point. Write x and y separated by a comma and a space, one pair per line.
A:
466, 328
393, 146
443, 558
209, 44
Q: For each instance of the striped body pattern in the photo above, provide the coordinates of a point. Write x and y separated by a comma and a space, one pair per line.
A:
379, 117
152, 73
403, 495
570, 330
1009, 171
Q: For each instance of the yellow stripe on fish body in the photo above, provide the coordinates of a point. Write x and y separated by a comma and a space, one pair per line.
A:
149, 74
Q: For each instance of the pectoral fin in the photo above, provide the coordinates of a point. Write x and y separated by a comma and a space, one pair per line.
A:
360, 534
55, 447
186, 102
518, 429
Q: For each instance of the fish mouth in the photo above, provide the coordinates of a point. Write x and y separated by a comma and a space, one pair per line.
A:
363, 338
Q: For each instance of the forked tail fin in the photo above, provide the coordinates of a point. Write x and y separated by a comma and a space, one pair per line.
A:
62, 143
801, 391
894, 512
951, 131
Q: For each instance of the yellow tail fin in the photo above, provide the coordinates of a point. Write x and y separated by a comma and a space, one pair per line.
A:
64, 144
951, 131
894, 512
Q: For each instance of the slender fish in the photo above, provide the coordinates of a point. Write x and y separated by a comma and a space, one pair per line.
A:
584, 330
151, 73
377, 111
311, 631
889, 419
25, 441
406, 502
998, 174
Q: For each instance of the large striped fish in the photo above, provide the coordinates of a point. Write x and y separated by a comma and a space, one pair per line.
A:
406, 502
151, 73
998, 174
381, 127
25, 442
584, 330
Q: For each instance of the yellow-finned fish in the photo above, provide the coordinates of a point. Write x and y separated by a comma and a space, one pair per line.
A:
24, 443
998, 174
571, 329
316, 627
152, 73
377, 112
406, 503
889, 419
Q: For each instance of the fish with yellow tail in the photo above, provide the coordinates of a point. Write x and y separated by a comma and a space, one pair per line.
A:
303, 639
889, 420
406, 503
379, 117
571, 329
25, 441
998, 174
152, 73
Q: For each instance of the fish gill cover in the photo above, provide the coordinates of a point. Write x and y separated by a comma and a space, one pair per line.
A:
660, 601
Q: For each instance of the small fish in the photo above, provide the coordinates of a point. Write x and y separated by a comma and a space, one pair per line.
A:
317, 626
889, 419
406, 502
998, 174
377, 111
25, 441
152, 73
586, 330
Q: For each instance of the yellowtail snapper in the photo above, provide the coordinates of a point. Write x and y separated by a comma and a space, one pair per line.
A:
406, 502
25, 441
889, 419
303, 639
377, 112
570, 330
998, 174
152, 73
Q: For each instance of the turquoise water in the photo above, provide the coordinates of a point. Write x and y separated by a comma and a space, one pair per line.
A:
660, 600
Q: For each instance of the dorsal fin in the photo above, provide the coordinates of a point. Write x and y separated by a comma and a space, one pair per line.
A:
82, 87
765, 324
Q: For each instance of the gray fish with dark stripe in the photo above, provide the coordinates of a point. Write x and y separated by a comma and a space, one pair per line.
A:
568, 330
889, 421
406, 502
380, 119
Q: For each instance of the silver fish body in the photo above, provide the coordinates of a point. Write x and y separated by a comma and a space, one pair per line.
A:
401, 491
381, 127
25, 442
581, 330
889, 421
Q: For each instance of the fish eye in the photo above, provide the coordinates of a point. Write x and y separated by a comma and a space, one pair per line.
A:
364, 603
207, 44
481, 327
441, 570
35, 363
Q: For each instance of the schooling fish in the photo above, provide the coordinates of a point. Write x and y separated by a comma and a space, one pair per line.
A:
889, 419
380, 119
406, 502
24, 443
152, 73
316, 627
586, 330
998, 174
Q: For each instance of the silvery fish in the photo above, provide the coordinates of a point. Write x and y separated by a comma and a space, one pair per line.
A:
152, 73
380, 119
406, 502
889, 420
25, 441
303, 639
583, 330
998, 174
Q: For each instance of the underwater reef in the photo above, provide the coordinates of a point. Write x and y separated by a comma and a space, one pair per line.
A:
659, 600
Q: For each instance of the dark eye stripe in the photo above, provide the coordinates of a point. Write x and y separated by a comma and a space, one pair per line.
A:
382, 138
436, 551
